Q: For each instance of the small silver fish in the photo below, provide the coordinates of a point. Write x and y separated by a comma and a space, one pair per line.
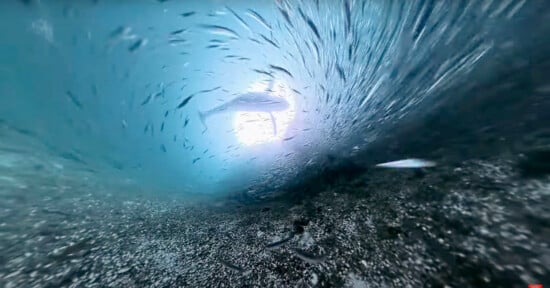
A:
280, 242
235, 267
407, 163
220, 30
307, 257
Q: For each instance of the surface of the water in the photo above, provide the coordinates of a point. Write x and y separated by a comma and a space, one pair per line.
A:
101, 142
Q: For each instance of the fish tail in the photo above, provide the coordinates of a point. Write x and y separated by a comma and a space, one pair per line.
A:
202, 116
270, 86
274, 124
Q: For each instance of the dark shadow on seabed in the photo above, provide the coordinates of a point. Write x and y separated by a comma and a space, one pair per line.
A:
477, 218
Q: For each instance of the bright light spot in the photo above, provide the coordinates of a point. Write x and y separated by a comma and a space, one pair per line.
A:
256, 128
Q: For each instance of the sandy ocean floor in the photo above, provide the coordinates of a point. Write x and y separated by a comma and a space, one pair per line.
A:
474, 224
465, 84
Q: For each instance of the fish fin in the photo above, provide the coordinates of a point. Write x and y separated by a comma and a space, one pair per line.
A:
202, 116
274, 124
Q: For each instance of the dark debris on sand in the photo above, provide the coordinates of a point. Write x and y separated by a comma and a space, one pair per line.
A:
475, 224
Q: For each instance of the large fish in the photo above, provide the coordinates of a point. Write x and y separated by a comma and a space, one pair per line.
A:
251, 102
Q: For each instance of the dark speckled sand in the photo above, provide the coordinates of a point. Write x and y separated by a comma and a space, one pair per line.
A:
474, 224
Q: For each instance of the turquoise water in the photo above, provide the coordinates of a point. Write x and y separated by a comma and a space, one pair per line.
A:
343, 143
94, 83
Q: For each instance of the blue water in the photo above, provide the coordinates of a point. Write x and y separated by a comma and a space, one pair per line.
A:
109, 178
70, 77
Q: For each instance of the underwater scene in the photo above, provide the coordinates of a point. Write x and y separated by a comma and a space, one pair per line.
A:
274, 143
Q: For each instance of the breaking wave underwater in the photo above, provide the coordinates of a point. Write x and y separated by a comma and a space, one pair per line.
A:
109, 108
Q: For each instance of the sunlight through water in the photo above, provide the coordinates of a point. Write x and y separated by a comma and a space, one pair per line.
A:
253, 128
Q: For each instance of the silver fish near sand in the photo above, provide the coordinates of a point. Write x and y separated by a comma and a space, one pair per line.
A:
407, 163
250, 102
307, 257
